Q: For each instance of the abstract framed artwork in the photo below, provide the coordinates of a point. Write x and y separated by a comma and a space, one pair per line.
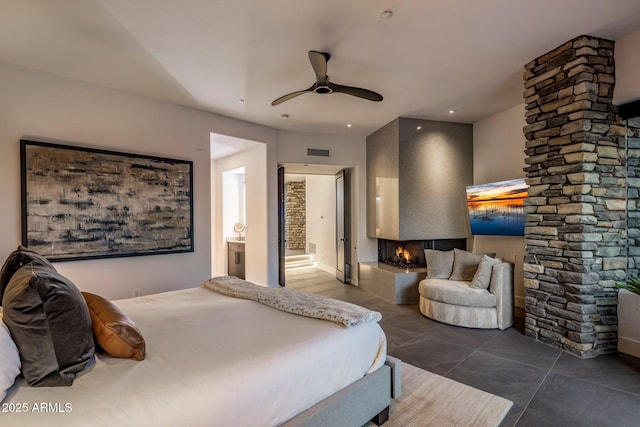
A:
497, 208
82, 203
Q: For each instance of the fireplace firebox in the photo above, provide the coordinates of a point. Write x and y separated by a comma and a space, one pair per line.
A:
410, 253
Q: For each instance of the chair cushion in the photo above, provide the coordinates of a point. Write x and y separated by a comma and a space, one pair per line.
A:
439, 263
482, 278
456, 292
465, 265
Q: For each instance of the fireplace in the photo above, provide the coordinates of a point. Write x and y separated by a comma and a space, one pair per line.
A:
410, 253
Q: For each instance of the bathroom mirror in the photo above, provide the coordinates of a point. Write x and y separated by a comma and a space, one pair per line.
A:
238, 227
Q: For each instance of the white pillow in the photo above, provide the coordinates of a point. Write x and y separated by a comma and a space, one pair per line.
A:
482, 278
9, 359
439, 263
465, 265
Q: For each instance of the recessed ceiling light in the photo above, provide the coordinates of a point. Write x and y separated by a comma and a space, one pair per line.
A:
386, 14
242, 101
452, 111
419, 127
284, 116
349, 125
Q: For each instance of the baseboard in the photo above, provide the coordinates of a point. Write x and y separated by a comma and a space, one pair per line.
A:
628, 346
519, 302
330, 270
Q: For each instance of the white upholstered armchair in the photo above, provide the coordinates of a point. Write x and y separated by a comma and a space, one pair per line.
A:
475, 292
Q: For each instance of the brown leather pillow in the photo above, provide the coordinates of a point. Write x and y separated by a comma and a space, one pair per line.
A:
114, 331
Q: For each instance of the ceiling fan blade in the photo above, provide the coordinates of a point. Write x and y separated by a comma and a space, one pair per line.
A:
356, 91
291, 96
319, 63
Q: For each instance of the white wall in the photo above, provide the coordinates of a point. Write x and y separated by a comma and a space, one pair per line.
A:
498, 155
321, 219
347, 151
627, 55
233, 209
256, 231
45, 107
42, 106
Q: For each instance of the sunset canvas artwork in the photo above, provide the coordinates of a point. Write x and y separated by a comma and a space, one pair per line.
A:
497, 208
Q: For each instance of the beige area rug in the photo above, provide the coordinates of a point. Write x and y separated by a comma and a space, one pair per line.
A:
428, 399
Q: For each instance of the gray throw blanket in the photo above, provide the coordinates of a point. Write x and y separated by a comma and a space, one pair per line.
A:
293, 301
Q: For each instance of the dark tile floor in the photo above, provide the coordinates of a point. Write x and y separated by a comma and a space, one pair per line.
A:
547, 386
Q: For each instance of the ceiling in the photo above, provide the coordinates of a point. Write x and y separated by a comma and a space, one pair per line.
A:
428, 58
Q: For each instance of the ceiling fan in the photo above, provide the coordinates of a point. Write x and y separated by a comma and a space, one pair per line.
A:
324, 86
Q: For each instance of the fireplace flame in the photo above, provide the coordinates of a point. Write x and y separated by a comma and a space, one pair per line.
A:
403, 253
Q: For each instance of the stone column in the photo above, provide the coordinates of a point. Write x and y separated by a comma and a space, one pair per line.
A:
575, 234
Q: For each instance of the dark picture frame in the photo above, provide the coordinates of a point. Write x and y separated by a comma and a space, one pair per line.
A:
81, 203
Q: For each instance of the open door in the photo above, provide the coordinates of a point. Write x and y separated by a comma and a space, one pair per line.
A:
281, 231
343, 226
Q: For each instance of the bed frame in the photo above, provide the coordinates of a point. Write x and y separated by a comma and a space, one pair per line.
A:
365, 400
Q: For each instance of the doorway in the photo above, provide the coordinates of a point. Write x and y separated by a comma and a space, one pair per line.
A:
314, 221
239, 228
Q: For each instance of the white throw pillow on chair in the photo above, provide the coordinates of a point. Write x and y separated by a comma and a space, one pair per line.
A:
439, 263
482, 278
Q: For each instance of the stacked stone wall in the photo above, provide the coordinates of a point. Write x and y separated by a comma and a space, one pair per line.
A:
295, 213
575, 234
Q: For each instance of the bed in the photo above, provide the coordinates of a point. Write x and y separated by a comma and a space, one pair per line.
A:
212, 359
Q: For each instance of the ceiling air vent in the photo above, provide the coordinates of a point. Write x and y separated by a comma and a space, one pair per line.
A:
317, 152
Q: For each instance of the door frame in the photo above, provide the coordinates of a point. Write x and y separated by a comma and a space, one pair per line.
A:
343, 226
281, 226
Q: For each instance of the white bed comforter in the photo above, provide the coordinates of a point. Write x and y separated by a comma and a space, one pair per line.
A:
211, 360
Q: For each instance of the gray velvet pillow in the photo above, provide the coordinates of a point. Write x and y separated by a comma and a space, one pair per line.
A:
50, 324
465, 265
17, 259
482, 278
439, 263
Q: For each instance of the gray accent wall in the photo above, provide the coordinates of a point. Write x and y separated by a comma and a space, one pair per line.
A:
383, 180
417, 171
